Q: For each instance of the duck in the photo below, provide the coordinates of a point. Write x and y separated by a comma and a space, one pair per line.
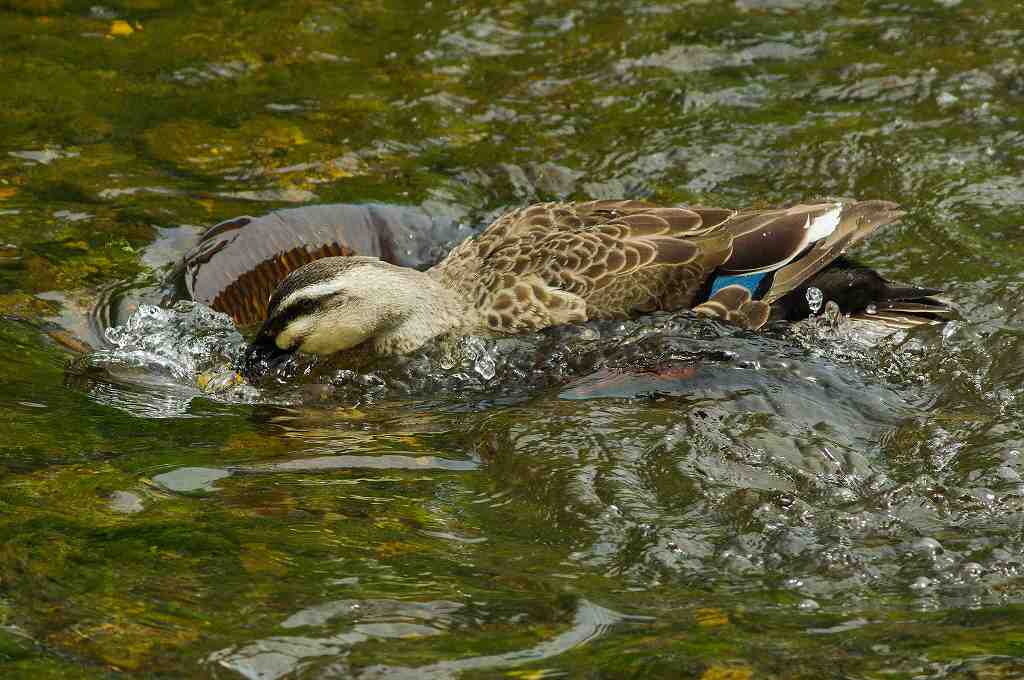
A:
559, 263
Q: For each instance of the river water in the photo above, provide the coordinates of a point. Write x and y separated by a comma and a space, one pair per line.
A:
667, 497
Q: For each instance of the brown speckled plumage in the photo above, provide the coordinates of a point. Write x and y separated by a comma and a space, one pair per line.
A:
560, 262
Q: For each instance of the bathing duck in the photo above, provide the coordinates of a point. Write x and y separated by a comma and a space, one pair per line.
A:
559, 263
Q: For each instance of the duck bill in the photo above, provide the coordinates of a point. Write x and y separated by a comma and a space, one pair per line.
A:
261, 357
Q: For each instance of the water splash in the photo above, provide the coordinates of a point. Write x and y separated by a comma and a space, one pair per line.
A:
182, 341
484, 357
160, 359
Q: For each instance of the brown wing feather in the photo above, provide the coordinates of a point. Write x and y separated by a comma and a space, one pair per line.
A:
712, 217
856, 221
532, 224
766, 240
602, 259
735, 305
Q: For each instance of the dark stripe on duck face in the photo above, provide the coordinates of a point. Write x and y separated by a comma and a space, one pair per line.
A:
313, 273
276, 323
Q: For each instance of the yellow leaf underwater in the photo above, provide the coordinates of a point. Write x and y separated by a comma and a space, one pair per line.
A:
121, 28
734, 673
711, 617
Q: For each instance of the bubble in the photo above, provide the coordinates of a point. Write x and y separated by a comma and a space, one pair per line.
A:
815, 299
485, 366
971, 570
921, 583
927, 545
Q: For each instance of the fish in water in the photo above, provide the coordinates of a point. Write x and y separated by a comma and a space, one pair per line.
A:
559, 263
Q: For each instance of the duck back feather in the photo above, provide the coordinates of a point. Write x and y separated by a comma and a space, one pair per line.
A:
560, 262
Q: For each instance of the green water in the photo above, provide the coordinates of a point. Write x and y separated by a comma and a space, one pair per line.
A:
823, 510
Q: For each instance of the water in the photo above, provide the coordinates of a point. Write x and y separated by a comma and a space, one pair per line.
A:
666, 497
815, 299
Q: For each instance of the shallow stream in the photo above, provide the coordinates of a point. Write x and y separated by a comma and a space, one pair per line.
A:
666, 497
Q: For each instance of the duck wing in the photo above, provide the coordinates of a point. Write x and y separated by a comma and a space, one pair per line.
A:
543, 219
777, 251
559, 262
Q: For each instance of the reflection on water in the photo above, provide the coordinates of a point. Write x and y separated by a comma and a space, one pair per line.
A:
278, 656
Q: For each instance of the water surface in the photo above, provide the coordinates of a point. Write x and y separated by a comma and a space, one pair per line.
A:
671, 498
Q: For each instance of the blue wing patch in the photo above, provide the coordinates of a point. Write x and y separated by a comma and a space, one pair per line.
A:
749, 281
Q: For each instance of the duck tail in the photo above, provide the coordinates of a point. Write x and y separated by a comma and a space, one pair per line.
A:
906, 307
864, 294
927, 312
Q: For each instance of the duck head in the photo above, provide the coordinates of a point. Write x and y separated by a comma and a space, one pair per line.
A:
338, 303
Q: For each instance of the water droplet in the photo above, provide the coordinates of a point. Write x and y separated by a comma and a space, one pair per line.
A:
972, 570
833, 315
871, 309
815, 298
484, 366
921, 583
448, 361
927, 545
808, 605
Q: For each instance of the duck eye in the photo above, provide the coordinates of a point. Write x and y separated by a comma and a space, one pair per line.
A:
340, 299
